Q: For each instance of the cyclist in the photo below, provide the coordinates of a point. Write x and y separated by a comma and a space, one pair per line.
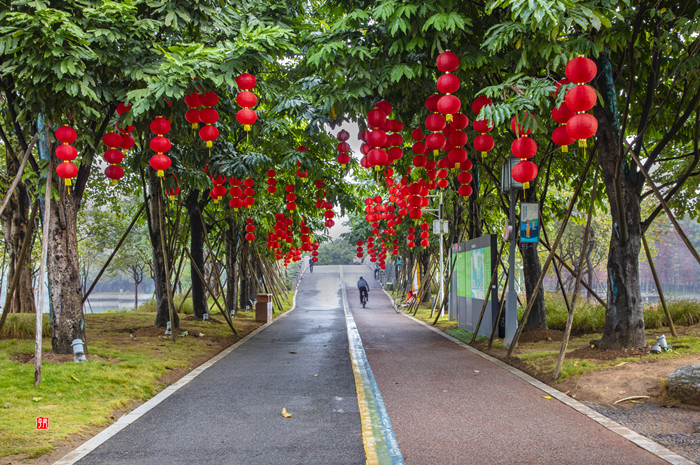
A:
363, 286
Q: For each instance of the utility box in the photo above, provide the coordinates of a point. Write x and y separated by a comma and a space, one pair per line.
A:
263, 308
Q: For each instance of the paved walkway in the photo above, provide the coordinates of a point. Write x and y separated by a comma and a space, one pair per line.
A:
363, 386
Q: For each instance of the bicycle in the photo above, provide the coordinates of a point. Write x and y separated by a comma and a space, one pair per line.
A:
364, 296
402, 304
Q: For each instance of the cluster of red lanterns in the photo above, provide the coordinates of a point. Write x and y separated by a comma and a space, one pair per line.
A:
208, 115
483, 143
448, 83
523, 148
581, 98
291, 197
247, 100
65, 152
113, 156
359, 249
343, 148
305, 231
250, 230
160, 144
379, 148
425, 234
271, 181
127, 141
236, 193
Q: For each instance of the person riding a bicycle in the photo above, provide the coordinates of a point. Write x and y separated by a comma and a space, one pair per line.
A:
363, 286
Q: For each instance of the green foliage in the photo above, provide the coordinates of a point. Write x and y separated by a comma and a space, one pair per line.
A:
338, 252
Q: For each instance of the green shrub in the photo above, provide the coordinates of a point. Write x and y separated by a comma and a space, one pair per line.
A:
23, 325
589, 315
684, 312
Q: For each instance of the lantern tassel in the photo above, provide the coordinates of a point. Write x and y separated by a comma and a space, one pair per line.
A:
209, 144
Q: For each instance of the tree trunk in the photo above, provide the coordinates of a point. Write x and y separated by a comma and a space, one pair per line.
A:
231, 265
64, 273
475, 229
199, 294
531, 273
14, 228
624, 319
136, 295
245, 275
160, 279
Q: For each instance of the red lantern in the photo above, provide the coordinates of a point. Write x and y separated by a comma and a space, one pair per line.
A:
209, 134
580, 98
447, 62
562, 138
480, 102
458, 138
431, 103
524, 172
121, 109
247, 99
246, 81
523, 147
384, 107
112, 139
482, 126
114, 172
160, 144
66, 152
562, 114
435, 122
127, 142
464, 177
247, 118
160, 163
448, 83
459, 121
448, 105
160, 126
67, 171
377, 138
580, 70
464, 190
581, 127
111, 156
528, 121
435, 142
457, 156
417, 134
375, 118
343, 159
343, 135
66, 134
208, 116
210, 99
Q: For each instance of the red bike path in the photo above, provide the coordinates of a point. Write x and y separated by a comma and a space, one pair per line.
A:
450, 405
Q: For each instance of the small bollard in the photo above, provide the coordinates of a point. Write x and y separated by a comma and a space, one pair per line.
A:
205, 317
78, 350
168, 331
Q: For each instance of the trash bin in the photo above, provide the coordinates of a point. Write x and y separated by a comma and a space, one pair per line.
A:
263, 308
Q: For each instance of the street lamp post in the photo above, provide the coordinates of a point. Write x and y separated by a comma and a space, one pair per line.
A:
440, 228
511, 187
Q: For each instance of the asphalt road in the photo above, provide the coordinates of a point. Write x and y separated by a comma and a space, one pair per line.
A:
231, 413
447, 405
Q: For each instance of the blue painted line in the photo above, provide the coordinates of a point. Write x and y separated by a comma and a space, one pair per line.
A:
390, 442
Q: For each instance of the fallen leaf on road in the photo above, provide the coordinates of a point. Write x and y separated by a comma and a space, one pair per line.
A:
548, 397
286, 414
620, 364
